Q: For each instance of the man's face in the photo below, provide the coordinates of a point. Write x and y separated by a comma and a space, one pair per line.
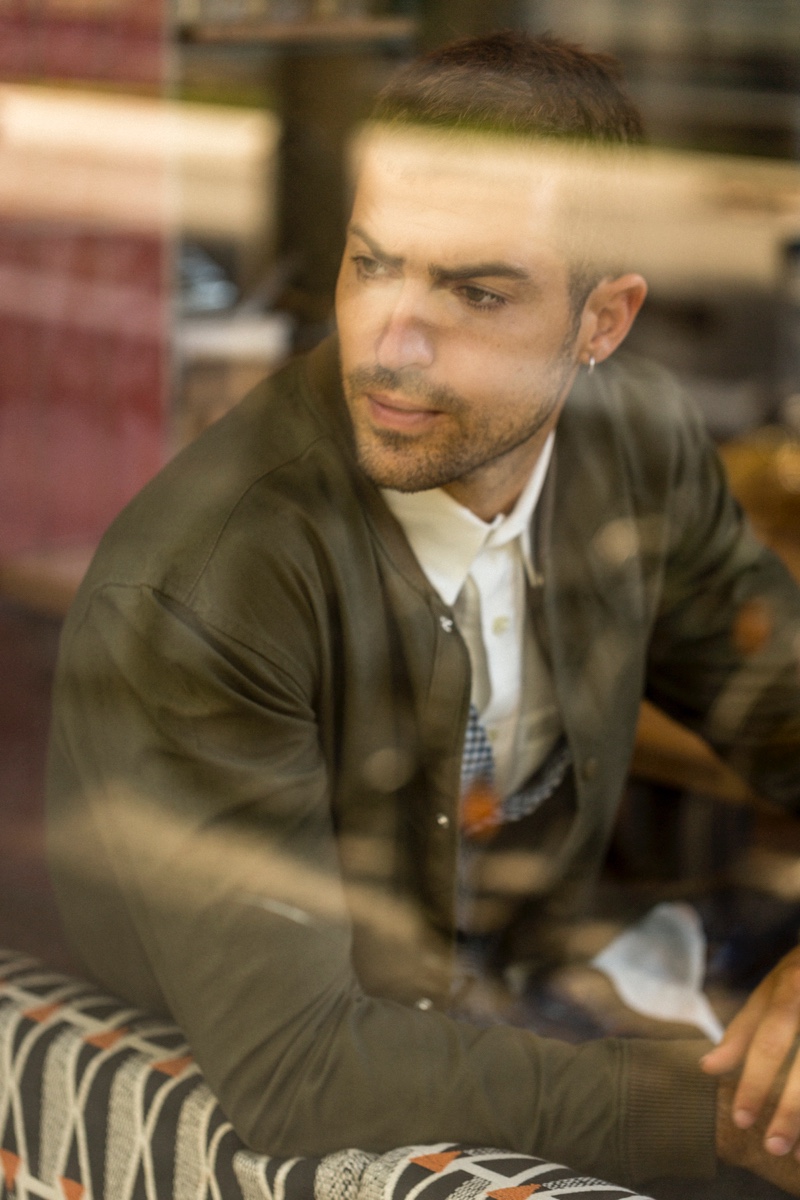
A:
453, 307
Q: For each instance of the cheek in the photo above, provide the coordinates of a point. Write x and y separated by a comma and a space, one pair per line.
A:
503, 378
349, 327
489, 359
343, 296
354, 314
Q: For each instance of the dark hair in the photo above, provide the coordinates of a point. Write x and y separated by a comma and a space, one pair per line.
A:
516, 84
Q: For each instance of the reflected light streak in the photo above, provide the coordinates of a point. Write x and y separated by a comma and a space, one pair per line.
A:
135, 163
679, 218
185, 870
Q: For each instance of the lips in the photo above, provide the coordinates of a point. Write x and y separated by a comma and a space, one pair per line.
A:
391, 412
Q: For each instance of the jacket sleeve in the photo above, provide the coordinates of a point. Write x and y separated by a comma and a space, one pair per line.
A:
196, 864
725, 652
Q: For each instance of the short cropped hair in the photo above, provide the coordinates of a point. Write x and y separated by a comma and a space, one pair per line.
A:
517, 84
521, 86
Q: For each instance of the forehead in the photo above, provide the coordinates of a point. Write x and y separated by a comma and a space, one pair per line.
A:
422, 185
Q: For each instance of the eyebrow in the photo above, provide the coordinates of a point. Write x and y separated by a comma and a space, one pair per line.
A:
390, 259
479, 270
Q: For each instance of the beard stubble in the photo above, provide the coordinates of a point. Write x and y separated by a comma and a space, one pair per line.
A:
405, 462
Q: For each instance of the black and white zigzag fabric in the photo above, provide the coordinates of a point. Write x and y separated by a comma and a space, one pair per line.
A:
450, 1172
101, 1102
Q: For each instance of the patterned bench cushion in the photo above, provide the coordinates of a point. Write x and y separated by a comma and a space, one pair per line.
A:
100, 1102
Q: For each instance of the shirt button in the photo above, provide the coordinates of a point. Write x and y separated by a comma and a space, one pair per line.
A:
446, 624
500, 625
442, 820
424, 1004
589, 769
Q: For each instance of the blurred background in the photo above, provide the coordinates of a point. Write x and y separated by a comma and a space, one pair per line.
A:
173, 194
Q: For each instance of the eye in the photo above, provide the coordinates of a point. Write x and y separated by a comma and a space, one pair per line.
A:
367, 267
480, 297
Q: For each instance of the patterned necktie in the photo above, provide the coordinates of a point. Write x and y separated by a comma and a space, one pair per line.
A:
483, 809
480, 802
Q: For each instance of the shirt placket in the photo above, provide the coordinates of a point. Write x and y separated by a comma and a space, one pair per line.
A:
499, 582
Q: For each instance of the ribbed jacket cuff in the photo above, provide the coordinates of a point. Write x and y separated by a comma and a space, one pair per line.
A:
671, 1111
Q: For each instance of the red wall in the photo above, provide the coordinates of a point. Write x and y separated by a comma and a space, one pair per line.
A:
83, 310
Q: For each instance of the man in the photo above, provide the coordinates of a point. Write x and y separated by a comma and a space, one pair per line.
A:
463, 519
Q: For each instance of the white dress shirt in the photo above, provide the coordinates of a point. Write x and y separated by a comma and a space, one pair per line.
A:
481, 570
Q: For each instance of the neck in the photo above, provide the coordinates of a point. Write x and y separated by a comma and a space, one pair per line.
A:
494, 488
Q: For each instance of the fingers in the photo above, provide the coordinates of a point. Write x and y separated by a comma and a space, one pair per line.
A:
784, 1127
769, 1048
731, 1051
747, 1149
762, 1036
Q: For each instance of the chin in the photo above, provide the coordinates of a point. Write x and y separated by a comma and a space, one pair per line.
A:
400, 476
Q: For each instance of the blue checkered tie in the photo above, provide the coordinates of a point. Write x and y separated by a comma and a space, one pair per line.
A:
480, 803
477, 768
477, 761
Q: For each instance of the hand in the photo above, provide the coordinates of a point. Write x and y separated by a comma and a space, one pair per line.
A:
763, 1036
745, 1148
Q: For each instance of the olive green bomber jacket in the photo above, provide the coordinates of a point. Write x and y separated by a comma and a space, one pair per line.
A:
254, 766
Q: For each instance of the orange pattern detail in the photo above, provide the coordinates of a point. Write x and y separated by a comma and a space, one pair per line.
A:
71, 1189
173, 1066
10, 1167
105, 1039
436, 1162
41, 1014
480, 810
515, 1193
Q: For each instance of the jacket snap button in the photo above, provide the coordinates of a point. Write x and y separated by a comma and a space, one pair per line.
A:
442, 820
446, 624
424, 1003
589, 768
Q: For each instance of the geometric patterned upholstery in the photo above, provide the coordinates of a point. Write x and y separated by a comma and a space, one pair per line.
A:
99, 1101
448, 1172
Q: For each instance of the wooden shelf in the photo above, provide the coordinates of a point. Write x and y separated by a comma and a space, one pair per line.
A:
332, 31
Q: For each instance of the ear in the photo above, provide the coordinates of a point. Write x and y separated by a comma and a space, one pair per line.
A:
608, 314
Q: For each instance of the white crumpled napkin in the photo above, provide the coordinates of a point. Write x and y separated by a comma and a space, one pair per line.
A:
658, 966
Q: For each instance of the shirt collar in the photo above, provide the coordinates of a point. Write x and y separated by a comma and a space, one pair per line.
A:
447, 538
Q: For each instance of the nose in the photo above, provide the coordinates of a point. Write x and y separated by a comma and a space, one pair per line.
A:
406, 338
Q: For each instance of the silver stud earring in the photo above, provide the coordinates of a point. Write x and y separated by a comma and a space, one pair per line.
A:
592, 363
